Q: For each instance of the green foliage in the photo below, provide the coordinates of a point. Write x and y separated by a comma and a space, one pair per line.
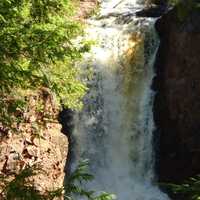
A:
22, 186
190, 188
36, 51
73, 185
79, 175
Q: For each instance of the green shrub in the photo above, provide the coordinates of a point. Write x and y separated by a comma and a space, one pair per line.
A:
36, 51
75, 182
21, 186
189, 188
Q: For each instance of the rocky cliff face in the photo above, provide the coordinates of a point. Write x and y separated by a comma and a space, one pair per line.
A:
177, 103
31, 144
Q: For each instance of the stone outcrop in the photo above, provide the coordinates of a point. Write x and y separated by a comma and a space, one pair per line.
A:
177, 102
36, 140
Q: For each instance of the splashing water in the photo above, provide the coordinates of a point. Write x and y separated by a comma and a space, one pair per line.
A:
114, 131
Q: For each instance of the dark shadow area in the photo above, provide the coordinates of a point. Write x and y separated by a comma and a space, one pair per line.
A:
177, 100
152, 12
65, 118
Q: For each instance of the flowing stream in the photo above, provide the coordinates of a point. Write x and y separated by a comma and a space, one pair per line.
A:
114, 131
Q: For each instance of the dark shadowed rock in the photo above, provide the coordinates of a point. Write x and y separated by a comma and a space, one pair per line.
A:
156, 11
66, 120
177, 103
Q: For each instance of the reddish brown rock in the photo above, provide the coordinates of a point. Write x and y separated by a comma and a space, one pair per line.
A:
27, 149
177, 103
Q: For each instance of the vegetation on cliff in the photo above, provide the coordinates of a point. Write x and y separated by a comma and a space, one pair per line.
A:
22, 187
189, 189
36, 53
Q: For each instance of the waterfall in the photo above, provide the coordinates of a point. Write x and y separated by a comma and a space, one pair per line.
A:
114, 130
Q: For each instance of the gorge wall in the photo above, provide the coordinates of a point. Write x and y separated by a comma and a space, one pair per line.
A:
177, 102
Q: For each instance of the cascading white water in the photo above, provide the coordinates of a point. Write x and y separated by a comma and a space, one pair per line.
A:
114, 131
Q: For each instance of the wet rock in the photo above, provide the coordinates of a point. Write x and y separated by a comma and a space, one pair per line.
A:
155, 11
